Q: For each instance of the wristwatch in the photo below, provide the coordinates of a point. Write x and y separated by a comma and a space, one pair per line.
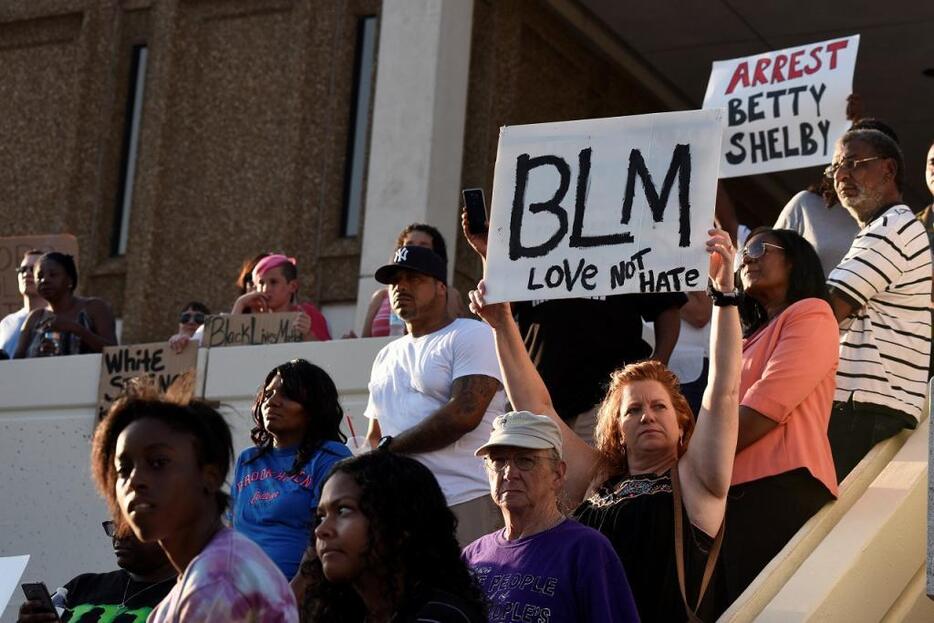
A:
383, 443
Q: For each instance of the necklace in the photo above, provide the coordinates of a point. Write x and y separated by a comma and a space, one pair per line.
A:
139, 592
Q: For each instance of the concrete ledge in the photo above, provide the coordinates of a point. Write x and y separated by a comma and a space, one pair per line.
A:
771, 580
860, 569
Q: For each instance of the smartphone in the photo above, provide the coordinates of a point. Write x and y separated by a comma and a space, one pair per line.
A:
476, 210
37, 591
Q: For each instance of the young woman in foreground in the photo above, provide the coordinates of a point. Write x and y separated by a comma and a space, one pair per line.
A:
161, 467
386, 548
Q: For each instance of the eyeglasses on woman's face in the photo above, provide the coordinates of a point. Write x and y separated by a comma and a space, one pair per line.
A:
757, 248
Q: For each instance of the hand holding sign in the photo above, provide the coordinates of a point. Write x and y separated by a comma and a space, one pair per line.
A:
722, 256
302, 326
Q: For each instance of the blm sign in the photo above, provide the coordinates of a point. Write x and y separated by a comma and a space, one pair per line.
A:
785, 108
250, 329
603, 206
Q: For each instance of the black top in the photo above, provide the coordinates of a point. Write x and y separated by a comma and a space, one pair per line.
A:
94, 597
437, 606
636, 513
576, 343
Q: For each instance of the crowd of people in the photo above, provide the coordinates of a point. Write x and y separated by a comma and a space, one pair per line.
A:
529, 462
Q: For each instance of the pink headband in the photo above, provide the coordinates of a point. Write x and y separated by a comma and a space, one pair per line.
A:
269, 262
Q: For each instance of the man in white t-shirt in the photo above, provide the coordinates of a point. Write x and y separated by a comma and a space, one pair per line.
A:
435, 391
880, 293
12, 323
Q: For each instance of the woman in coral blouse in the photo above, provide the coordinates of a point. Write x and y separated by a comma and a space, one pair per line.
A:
783, 472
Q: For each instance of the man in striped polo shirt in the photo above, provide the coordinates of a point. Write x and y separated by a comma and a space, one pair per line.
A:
881, 294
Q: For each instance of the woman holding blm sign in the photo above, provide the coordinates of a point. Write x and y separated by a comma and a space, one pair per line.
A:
75, 324
656, 484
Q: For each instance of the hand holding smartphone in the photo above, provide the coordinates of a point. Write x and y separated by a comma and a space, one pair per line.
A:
476, 210
38, 592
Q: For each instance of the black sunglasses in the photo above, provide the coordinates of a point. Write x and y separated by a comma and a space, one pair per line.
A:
110, 528
22, 270
186, 317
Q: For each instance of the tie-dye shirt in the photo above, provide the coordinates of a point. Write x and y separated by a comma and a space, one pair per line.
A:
231, 580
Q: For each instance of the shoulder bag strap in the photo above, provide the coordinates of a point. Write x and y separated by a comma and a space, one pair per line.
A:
712, 555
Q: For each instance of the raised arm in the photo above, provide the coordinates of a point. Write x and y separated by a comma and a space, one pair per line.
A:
707, 466
527, 392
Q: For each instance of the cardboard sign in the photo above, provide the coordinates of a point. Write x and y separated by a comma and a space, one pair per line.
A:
603, 206
11, 256
250, 329
785, 109
122, 363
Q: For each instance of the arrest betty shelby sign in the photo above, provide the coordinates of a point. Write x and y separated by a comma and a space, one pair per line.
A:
603, 206
786, 108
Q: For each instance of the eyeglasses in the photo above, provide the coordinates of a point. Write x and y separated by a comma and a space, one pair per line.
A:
524, 463
756, 249
848, 164
110, 528
196, 317
22, 270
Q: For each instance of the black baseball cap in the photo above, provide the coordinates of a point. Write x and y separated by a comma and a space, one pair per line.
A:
420, 259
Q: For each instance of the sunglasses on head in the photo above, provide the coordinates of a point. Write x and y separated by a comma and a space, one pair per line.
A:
757, 248
196, 317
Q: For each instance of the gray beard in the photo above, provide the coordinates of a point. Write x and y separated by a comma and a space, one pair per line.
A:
864, 205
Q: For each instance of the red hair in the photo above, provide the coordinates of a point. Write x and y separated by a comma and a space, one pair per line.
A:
610, 440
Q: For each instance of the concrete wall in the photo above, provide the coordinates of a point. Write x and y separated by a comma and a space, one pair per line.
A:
49, 507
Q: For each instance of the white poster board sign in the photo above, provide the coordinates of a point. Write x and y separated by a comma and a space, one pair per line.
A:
11, 570
785, 109
603, 206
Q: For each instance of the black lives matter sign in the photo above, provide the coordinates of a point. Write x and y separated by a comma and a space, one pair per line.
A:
603, 206
785, 109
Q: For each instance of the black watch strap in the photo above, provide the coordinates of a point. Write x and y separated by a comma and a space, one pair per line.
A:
723, 299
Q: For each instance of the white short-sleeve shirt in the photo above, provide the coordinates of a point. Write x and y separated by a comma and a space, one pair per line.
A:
412, 378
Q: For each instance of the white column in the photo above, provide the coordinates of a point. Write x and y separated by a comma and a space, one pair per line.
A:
417, 139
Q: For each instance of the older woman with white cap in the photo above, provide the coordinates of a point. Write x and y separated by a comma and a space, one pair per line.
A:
542, 565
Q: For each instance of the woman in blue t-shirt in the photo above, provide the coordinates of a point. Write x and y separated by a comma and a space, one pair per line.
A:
297, 438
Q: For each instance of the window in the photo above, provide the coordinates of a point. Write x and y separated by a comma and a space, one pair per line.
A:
134, 113
355, 167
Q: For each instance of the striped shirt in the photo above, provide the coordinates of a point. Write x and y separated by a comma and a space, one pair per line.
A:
885, 344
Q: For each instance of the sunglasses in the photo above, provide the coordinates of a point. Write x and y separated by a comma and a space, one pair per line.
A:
23, 270
110, 528
196, 317
758, 248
